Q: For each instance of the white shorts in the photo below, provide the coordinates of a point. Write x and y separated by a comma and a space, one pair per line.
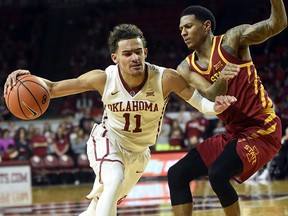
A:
101, 149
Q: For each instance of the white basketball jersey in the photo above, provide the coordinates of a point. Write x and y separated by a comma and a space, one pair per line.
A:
134, 119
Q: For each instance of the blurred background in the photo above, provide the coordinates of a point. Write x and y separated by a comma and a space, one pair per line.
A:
59, 39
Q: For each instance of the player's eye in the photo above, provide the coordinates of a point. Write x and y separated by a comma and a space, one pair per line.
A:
127, 54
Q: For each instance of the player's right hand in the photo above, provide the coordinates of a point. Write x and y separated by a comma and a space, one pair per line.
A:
11, 79
229, 71
223, 102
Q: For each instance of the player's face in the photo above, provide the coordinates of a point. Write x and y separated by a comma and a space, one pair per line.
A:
131, 56
193, 31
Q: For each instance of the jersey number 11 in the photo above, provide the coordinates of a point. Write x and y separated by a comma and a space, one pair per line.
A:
137, 118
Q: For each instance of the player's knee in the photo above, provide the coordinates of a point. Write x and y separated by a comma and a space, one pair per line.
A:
220, 183
116, 178
214, 172
179, 186
217, 176
175, 176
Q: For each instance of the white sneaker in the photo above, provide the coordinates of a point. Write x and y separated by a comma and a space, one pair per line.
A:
264, 175
253, 177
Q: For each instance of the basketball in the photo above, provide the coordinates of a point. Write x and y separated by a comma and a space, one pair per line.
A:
29, 98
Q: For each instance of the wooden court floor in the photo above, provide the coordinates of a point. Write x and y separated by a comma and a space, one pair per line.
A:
257, 198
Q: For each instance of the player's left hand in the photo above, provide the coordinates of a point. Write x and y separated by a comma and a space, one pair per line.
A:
229, 71
11, 79
223, 102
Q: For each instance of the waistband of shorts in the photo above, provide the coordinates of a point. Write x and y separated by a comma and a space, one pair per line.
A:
98, 130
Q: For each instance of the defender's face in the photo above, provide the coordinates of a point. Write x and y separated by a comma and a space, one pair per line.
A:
193, 31
130, 56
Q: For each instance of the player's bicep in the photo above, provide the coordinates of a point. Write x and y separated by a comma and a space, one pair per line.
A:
192, 78
199, 83
174, 82
246, 35
93, 80
85, 82
261, 31
256, 33
184, 69
63, 88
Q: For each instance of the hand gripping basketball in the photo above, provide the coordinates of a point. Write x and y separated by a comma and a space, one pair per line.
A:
29, 98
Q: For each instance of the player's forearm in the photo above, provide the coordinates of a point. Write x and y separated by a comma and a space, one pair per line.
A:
202, 104
218, 88
64, 87
278, 17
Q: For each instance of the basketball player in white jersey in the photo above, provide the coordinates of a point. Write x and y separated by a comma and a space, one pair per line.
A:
135, 94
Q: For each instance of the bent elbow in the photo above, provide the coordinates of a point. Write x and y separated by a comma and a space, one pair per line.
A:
283, 24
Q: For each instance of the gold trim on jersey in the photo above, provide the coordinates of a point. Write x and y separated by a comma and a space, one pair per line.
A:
210, 60
270, 117
256, 80
247, 64
269, 130
270, 103
188, 60
262, 94
262, 132
264, 99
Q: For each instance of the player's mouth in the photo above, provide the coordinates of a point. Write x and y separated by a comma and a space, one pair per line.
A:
136, 66
187, 40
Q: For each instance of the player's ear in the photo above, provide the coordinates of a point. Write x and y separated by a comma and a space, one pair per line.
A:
114, 58
207, 25
145, 52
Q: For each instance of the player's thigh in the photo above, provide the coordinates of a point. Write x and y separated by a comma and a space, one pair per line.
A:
112, 172
210, 149
255, 153
135, 171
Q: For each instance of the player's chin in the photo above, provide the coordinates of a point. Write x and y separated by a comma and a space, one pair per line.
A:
190, 45
137, 71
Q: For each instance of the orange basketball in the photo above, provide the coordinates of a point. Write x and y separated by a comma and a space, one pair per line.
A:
29, 98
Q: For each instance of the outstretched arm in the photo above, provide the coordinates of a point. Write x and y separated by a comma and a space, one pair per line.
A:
265, 29
208, 90
241, 37
173, 82
92, 80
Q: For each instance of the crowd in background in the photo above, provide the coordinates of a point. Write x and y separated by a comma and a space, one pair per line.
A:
29, 28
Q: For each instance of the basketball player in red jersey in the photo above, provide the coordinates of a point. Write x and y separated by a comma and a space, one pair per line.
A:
253, 131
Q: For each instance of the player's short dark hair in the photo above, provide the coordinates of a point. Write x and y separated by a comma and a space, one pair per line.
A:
124, 32
200, 13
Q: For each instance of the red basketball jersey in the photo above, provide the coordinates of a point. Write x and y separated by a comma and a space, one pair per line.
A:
246, 87
251, 120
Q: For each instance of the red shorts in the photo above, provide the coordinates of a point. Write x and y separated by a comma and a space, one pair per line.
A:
256, 146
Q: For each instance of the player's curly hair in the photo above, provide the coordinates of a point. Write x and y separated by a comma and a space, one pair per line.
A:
124, 32
201, 13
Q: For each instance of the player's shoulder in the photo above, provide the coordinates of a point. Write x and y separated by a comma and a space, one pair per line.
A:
154, 68
111, 72
235, 32
184, 64
185, 68
92, 77
111, 68
92, 73
170, 74
165, 73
